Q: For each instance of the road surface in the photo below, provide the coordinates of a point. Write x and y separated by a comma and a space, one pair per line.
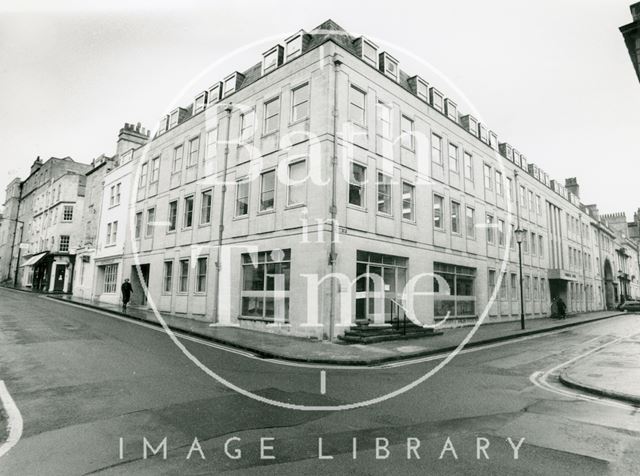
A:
92, 389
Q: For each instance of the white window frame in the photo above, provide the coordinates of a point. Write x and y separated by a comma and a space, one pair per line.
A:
267, 118
242, 183
261, 206
300, 183
295, 104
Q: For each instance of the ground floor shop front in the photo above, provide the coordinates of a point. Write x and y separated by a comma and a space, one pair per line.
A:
47, 272
284, 286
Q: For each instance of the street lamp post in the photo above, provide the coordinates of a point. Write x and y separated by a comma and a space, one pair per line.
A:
520, 233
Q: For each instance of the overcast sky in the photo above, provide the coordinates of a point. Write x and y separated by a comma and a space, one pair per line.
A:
553, 78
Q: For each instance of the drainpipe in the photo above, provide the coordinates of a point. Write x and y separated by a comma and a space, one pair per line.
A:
216, 296
333, 210
584, 274
15, 233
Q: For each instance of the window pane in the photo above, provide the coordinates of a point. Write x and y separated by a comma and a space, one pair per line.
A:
455, 217
407, 201
242, 198
453, 158
436, 149
356, 185
437, 211
297, 183
471, 223
384, 193
267, 190
300, 103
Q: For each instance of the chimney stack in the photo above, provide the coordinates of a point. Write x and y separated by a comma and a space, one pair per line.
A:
571, 184
36, 164
131, 137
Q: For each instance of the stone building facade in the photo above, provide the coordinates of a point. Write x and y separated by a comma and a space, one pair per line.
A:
50, 224
85, 253
321, 187
631, 34
327, 159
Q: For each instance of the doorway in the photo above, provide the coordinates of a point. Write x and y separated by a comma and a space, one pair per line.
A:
58, 283
139, 295
376, 271
610, 293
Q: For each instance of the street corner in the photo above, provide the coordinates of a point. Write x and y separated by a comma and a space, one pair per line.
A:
613, 372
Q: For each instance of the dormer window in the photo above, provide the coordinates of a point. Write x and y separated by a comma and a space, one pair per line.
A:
369, 52
164, 124
293, 45
523, 162
484, 135
451, 109
388, 65
215, 93
200, 102
272, 59
422, 90
232, 83
516, 157
493, 140
437, 99
173, 118
470, 123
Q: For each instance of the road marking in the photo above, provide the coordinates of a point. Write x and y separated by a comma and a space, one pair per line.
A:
14, 423
541, 379
382, 366
323, 382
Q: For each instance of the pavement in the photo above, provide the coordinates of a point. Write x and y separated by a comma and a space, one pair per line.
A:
613, 372
91, 388
298, 349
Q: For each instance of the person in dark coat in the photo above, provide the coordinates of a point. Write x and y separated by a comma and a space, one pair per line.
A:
126, 289
562, 308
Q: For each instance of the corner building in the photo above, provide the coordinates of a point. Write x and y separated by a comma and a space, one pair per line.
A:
408, 185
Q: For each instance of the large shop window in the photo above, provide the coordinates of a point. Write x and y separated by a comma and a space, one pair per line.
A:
260, 271
462, 300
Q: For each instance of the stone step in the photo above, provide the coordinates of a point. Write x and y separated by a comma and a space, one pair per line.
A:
373, 338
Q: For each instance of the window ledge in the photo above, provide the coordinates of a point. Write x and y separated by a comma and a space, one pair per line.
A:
266, 320
295, 205
269, 134
299, 121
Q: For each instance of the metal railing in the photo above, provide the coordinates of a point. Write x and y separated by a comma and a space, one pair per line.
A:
399, 315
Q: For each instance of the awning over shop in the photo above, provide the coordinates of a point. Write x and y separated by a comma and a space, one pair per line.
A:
35, 259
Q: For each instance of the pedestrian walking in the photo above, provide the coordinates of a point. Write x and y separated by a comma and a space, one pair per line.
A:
562, 308
126, 289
